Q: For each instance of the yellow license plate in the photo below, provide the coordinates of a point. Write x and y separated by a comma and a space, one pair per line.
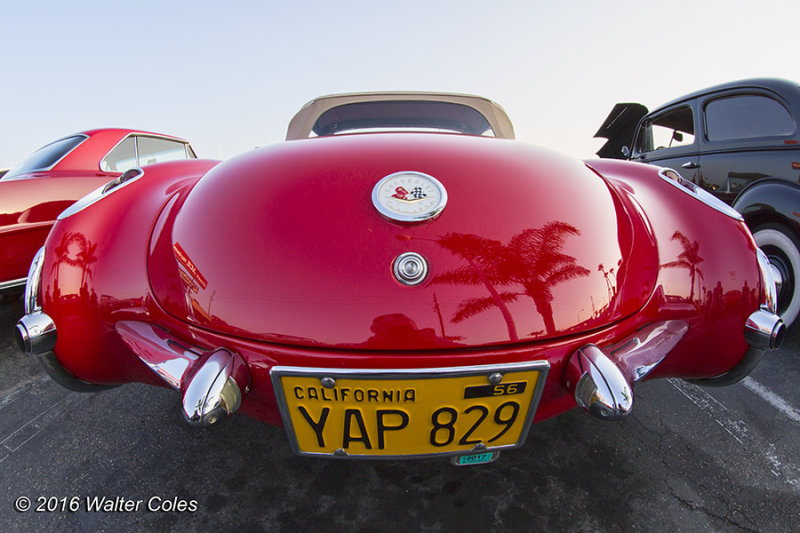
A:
400, 413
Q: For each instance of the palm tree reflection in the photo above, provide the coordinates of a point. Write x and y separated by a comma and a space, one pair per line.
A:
76, 251
532, 260
689, 259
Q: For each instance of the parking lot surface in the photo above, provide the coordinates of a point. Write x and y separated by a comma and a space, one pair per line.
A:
687, 459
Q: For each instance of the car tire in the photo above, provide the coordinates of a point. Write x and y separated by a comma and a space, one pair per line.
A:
783, 251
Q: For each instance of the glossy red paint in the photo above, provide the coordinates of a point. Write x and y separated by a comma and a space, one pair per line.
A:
536, 253
31, 201
284, 260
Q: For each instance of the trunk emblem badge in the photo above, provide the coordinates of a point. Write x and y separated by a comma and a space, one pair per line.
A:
409, 196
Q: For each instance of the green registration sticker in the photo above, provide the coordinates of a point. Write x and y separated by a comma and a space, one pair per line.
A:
476, 459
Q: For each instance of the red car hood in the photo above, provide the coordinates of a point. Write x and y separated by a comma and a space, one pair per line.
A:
284, 245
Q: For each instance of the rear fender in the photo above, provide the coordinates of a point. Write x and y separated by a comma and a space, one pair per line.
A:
770, 200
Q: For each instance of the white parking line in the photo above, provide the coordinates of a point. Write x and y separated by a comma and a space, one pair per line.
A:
30, 429
773, 399
737, 428
702, 399
22, 388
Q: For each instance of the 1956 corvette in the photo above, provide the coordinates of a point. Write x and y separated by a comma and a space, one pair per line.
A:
399, 279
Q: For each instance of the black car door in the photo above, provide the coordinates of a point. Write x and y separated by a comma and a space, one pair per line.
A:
667, 138
743, 141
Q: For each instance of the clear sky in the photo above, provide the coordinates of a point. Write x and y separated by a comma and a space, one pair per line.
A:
228, 76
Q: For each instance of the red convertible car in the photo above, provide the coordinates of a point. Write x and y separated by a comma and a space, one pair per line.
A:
55, 176
400, 279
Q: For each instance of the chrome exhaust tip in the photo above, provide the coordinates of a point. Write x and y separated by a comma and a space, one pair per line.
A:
35, 334
764, 330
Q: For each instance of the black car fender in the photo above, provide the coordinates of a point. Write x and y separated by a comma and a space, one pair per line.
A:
770, 201
771, 209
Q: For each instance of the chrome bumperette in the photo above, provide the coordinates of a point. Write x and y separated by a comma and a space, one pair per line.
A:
35, 333
212, 383
601, 389
602, 379
764, 330
214, 391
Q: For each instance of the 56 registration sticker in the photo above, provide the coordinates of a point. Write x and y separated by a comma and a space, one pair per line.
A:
408, 412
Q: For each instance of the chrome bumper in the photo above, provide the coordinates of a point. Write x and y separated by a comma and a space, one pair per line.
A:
601, 379
35, 333
211, 382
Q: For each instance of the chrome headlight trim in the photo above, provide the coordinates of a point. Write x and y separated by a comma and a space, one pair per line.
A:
32, 283
672, 177
96, 195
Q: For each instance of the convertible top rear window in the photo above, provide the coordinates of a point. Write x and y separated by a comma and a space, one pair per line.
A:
402, 114
47, 156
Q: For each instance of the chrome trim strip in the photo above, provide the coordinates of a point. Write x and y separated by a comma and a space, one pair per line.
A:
770, 292
136, 146
98, 194
699, 193
276, 372
33, 282
12, 284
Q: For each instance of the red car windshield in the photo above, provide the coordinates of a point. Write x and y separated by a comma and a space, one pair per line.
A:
47, 156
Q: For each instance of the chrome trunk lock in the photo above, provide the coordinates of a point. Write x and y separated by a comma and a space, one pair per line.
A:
410, 268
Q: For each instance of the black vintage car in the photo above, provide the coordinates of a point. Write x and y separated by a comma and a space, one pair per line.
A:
741, 142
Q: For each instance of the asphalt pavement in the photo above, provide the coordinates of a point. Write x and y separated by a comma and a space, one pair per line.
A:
687, 459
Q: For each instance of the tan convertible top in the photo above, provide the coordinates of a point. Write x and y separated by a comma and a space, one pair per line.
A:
307, 120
